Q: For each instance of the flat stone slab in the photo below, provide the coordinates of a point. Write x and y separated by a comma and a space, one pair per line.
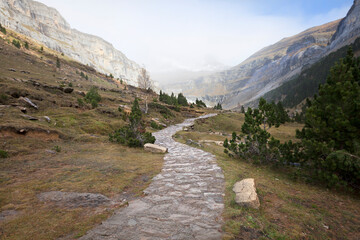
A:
155, 148
246, 195
183, 202
74, 199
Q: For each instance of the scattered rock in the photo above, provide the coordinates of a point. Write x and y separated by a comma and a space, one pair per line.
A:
50, 151
12, 70
157, 121
5, 106
22, 131
5, 215
74, 199
193, 143
29, 102
68, 90
29, 117
26, 72
80, 93
23, 109
47, 119
155, 148
219, 143
246, 193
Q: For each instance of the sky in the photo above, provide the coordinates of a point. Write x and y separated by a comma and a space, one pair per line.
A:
195, 35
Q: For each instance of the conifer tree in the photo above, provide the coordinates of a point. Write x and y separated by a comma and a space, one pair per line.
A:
331, 135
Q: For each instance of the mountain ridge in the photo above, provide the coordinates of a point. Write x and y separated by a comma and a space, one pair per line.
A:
272, 66
46, 25
240, 83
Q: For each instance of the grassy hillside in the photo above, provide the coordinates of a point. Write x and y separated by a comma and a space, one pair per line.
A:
65, 146
306, 84
291, 207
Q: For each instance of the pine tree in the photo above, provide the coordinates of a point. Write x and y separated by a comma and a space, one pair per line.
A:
182, 100
242, 109
331, 135
257, 143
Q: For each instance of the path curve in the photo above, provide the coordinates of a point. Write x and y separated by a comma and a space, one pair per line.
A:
184, 201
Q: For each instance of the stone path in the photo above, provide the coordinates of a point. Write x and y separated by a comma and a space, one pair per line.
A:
184, 201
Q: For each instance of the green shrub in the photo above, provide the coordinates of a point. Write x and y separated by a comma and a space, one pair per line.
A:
4, 98
218, 106
330, 139
26, 45
154, 125
200, 103
2, 29
256, 142
163, 110
80, 102
134, 134
16, 43
58, 65
3, 154
70, 85
57, 148
93, 97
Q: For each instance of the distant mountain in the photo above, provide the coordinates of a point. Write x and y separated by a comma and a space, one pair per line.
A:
274, 65
48, 27
264, 70
306, 84
295, 91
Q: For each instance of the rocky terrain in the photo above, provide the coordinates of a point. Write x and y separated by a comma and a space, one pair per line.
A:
272, 66
47, 26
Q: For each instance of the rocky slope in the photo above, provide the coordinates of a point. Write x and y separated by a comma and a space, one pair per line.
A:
272, 66
265, 70
48, 27
348, 29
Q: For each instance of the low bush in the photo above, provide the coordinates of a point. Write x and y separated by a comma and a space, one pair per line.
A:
16, 43
134, 134
93, 97
3, 154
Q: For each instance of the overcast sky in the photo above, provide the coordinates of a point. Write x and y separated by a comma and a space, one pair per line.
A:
165, 35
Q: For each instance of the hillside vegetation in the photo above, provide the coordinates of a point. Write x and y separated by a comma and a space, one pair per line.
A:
292, 207
60, 141
295, 91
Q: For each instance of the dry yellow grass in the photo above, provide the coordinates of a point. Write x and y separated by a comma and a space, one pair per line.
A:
87, 162
290, 207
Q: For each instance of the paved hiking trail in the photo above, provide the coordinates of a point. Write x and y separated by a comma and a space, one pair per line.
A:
184, 201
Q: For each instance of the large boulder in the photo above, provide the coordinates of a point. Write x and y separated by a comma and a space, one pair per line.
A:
155, 148
246, 195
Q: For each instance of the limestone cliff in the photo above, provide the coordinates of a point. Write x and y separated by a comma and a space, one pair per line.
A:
47, 26
264, 70
272, 66
348, 29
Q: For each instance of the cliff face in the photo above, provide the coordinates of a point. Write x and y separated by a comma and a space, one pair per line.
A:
272, 66
47, 26
348, 29
264, 70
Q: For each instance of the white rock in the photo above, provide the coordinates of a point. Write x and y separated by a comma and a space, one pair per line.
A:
246, 195
155, 148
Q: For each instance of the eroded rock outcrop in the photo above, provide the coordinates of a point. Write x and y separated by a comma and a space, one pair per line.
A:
47, 26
